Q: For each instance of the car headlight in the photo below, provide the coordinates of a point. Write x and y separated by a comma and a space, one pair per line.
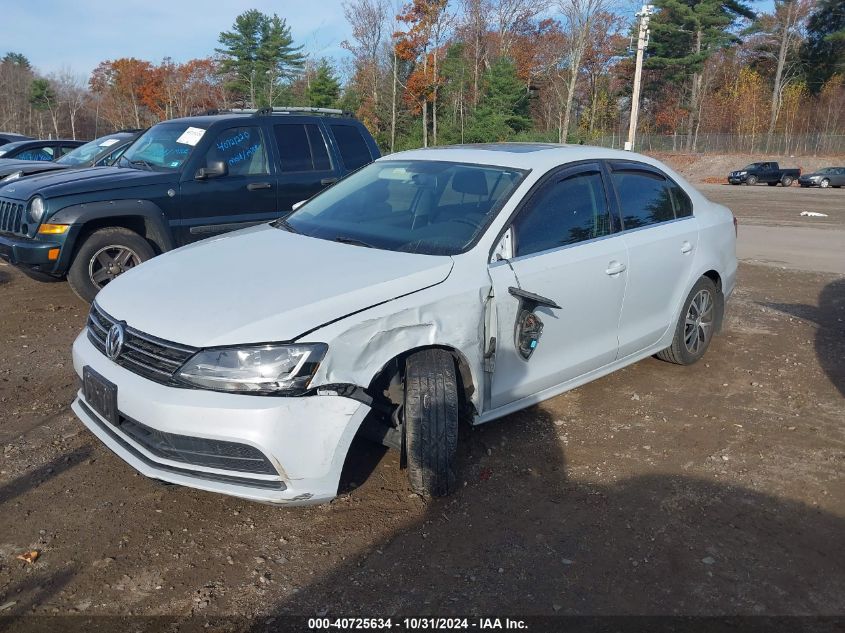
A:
13, 176
815, 177
742, 173
257, 369
36, 209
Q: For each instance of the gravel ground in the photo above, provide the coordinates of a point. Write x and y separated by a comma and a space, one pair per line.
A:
711, 489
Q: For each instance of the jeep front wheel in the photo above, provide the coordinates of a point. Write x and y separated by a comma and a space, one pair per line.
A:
431, 422
104, 255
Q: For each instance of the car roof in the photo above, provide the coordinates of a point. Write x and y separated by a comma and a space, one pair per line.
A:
38, 143
534, 156
207, 120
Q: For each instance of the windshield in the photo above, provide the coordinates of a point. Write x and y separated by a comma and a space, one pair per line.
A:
89, 152
827, 170
164, 147
428, 207
752, 166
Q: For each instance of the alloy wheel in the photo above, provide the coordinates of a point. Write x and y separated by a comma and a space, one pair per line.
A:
109, 262
698, 323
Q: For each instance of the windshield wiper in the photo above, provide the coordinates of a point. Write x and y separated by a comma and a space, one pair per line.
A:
351, 240
283, 223
148, 165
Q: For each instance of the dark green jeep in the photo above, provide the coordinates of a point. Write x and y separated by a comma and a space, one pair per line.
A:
181, 181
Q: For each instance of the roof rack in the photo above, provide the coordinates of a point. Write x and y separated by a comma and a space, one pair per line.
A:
290, 110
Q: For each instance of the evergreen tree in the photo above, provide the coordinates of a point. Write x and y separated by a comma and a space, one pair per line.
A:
684, 34
324, 90
503, 110
259, 56
823, 52
16, 59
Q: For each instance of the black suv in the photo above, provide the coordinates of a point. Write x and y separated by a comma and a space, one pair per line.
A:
181, 181
38, 150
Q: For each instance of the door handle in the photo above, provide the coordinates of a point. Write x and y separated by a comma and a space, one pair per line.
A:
686, 248
614, 268
254, 186
328, 181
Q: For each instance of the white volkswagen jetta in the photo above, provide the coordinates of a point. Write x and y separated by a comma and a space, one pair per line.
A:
429, 287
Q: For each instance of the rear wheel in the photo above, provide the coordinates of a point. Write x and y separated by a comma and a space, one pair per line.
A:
694, 329
103, 256
751, 180
787, 181
431, 422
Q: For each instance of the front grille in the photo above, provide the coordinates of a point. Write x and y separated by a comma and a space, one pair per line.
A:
143, 354
11, 216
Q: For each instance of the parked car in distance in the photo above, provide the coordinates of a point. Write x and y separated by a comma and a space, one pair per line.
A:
9, 137
825, 177
97, 153
431, 286
180, 181
38, 150
767, 172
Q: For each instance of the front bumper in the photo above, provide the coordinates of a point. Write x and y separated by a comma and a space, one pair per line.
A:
736, 180
22, 251
806, 182
306, 439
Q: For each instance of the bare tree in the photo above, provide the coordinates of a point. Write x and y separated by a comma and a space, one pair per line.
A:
779, 38
71, 92
579, 16
368, 19
507, 15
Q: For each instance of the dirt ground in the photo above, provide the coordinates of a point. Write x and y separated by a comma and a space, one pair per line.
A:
712, 489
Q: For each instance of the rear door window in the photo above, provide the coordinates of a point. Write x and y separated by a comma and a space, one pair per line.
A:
352, 146
645, 198
302, 147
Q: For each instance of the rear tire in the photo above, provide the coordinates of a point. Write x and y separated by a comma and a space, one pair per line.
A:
694, 329
431, 422
787, 181
751, 180
104, 255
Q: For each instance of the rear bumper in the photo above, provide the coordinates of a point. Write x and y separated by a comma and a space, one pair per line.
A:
22, 251
306, 439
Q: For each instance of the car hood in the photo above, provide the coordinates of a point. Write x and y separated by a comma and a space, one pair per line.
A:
11, 165
67, 182
815, 173
260, 285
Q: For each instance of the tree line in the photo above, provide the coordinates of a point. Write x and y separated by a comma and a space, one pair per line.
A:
431, 72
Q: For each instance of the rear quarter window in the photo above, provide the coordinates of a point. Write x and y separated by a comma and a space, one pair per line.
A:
351, 145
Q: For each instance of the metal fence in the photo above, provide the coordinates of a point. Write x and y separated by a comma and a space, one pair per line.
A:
815, 144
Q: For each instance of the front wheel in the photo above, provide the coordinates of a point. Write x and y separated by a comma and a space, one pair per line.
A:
787, 181
751, 180
694, 329
431, 414
825, 183
103, 256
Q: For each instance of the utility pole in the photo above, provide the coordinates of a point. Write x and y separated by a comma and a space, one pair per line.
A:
643, 16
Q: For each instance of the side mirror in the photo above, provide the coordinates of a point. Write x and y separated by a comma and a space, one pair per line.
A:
214, 169
296, 205
504, 249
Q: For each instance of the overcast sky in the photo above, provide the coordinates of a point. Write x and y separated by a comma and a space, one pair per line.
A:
79, 34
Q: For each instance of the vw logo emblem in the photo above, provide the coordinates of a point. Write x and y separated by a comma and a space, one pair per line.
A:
114, 340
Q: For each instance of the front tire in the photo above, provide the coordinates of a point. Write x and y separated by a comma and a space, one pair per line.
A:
103, 256
431, 410
751, 180
825, 183
694, 329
